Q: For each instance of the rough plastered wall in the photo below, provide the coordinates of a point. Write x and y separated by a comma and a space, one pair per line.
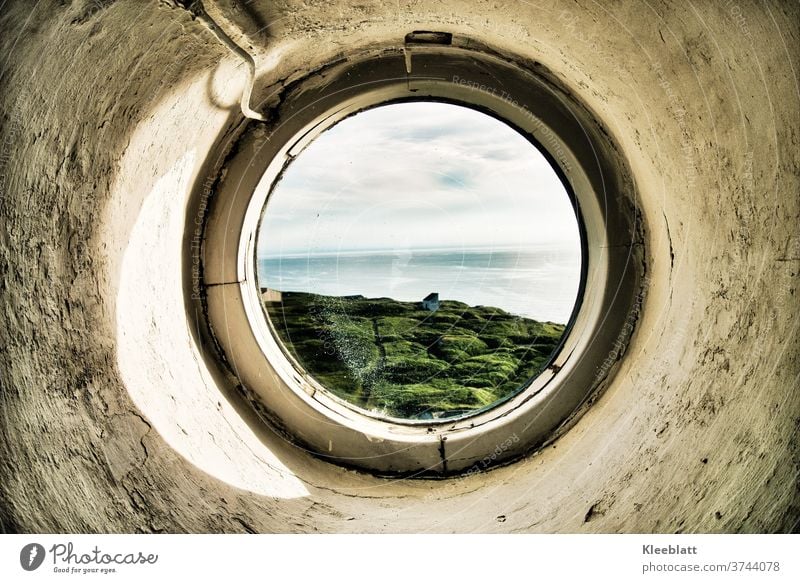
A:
113, 421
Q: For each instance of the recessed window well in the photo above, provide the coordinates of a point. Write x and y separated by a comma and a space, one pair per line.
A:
426, 262
419, 261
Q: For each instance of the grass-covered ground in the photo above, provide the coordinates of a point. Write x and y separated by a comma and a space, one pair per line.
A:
397, 359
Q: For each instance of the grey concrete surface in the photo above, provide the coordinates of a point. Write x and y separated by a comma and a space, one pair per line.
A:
114, 421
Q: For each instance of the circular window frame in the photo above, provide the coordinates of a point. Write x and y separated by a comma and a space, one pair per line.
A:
533, 384
612, 264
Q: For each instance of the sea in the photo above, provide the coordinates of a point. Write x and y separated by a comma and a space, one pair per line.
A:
539, 282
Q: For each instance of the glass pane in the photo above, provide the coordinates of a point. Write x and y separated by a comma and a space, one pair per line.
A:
420, 260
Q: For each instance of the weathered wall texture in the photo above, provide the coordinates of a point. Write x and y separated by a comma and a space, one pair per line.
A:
111, 420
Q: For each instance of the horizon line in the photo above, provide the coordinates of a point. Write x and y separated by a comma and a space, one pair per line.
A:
378, 251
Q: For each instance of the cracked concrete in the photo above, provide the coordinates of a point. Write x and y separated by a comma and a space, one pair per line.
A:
113, 420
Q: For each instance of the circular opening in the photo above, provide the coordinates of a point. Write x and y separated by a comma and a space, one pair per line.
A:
439, 437
419, 261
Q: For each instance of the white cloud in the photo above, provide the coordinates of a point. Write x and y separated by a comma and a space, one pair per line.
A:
419, 174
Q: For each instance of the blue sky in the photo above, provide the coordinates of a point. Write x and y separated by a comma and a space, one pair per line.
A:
417, 175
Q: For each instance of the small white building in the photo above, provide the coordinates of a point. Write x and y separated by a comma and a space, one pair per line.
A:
431, 302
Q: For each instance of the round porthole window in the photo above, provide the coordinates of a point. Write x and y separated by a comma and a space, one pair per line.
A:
428, 261
419, 261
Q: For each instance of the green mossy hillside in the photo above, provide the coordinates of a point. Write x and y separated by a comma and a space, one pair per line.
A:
397, 359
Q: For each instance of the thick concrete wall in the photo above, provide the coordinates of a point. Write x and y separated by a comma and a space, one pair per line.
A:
112, 419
